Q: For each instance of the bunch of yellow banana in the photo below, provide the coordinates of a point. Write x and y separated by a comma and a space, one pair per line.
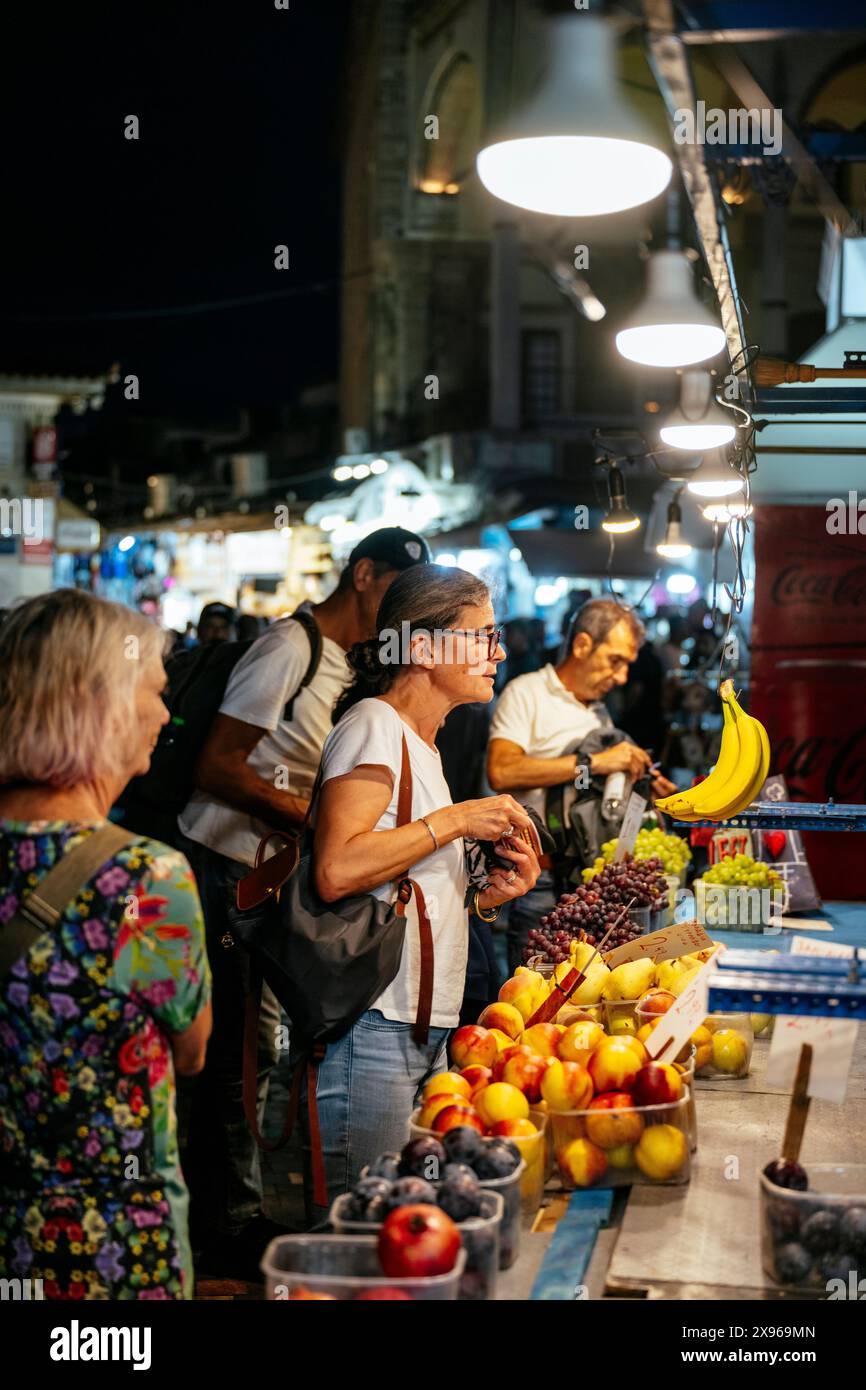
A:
739, 774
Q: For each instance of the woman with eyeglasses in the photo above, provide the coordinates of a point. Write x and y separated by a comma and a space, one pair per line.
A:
436, 648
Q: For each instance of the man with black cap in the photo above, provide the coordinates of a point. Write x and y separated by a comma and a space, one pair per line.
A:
255, 774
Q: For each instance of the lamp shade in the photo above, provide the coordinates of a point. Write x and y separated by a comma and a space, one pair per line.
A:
620, 518
727, 511
698, 422
671, 328
577, 149
715, 478
674, 546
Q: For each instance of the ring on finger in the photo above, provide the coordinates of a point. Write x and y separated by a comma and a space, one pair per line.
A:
512, 876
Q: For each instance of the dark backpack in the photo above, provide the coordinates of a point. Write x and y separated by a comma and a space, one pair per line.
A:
197, 681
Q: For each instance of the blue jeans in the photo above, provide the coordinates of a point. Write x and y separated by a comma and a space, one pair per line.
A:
525, 913
367, 1088
221, 1159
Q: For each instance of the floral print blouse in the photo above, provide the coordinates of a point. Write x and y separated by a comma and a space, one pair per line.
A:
92, 1200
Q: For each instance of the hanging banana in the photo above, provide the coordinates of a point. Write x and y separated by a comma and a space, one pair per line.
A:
739, 773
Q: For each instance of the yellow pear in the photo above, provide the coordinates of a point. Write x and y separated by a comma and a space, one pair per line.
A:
581, 952
669, 971
591, 989
631, 980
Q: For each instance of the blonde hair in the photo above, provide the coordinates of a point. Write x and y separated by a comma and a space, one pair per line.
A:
69, 669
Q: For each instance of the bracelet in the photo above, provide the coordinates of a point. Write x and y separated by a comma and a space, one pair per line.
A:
432, 833
479, 911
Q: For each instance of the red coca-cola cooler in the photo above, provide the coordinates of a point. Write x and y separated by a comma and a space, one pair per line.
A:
809, 673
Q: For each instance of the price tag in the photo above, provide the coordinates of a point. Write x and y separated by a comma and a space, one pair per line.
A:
808, 946
832, 1041
679, 939
670, 1036
631, 823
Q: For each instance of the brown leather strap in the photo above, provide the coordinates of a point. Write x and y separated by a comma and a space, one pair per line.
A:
421, 1030
269, 875
404, 795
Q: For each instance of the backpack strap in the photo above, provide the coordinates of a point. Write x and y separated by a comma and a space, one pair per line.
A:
39, 913
313, 631
406, 887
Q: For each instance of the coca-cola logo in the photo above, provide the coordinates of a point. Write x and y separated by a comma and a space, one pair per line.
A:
825, 767
797, 584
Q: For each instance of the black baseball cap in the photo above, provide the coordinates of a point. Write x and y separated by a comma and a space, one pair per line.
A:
393, 546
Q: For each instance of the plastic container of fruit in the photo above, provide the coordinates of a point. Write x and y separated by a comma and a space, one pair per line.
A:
809, 1238
533, 1148
687, 1067
480, 1235
626, 1156
728, 909
763, 1026
509, 1239
540, 1115
640, 918
733, 1041
618, 1017
344, 1267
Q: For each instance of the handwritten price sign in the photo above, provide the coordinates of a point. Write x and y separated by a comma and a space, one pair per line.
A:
832, 1041
676, 1027
679, 939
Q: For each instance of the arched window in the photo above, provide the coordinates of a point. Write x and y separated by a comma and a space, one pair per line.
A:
454, 99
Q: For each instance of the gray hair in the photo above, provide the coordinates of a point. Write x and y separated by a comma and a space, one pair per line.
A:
599, 617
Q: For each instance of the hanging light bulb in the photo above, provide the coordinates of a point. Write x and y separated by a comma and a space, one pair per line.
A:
619, 518
726, 511
671, 328
698, 422
674, 546
715, 477
577, 149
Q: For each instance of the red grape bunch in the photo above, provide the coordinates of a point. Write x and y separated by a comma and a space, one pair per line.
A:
594, 907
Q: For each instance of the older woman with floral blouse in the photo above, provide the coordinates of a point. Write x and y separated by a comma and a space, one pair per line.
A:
99, 1013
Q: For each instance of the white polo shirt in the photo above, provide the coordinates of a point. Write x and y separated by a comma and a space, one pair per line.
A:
537, 713
258, 689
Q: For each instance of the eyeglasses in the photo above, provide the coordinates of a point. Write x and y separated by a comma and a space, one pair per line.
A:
492, 638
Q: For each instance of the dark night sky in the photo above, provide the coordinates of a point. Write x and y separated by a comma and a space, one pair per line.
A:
240, 144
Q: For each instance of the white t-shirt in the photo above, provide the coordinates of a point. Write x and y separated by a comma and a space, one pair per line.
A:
287, 755
537, 713
370, 733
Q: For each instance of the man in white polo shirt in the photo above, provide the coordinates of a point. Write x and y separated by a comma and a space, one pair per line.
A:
542, 720
254, 775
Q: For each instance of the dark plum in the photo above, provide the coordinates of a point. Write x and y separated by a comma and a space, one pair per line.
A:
407, 1191
423, 1158
459, 1170
793, 1264
385, 1166
499, 1159
784, 1221
785, 1172
839, 1265
369, 1190
852, 1231
460, 1197
821, 1232
463, 1145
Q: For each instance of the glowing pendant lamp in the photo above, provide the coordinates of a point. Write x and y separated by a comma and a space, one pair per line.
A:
671, 328
698, 422
715, 478
620, 518
674, 546
577, 149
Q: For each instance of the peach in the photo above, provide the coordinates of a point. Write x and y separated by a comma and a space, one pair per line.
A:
446, 1082
501, 1102
566, 1086
614, 1121
658, 1083
656, 1001
614, 1065
511, 1129
644, 1032
582, 1163
503, 1040
639, 1048
542, 1038
703, 1041
431, 1108
522, 994
621, 1157
661, 1151
526, 1072
454, 1115
516, 1049
503, 1017
472, 1046
579, 1042
730, 1052
478, 1077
